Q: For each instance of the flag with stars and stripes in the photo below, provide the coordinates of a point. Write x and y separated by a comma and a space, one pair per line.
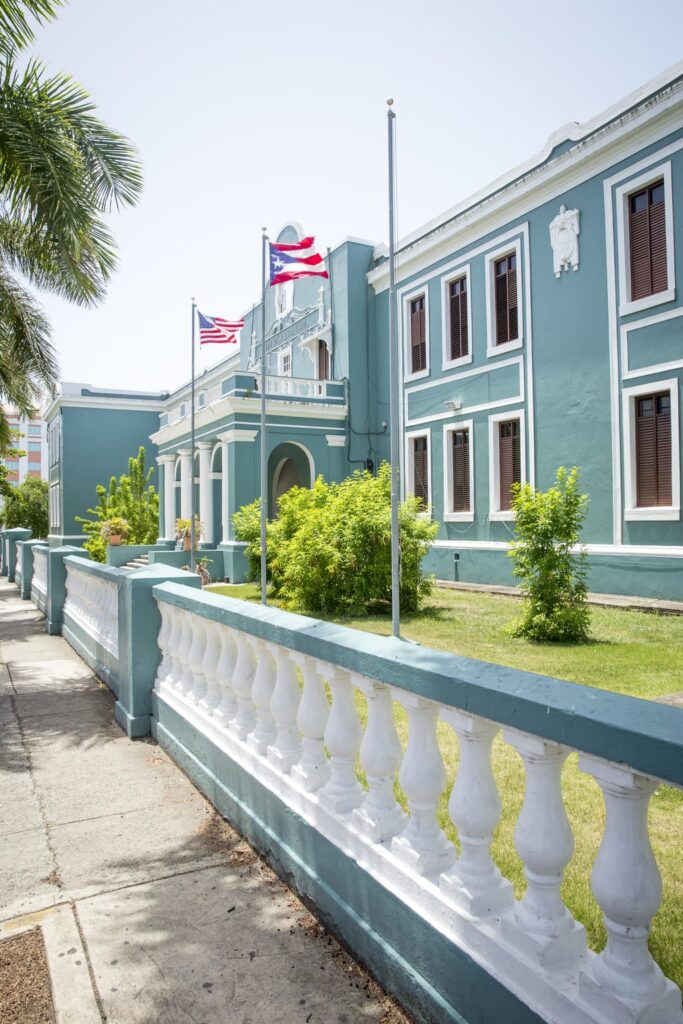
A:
291, 260
217, 331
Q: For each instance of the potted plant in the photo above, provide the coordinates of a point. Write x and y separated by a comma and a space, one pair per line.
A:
202, 570
183, 532
115, 530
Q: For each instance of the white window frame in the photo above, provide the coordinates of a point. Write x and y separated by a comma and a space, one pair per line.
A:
623, 194
495, 512
446, 362
54, 506
409, 488
657, 513
490, 259
285, 351
407, 299
448, 515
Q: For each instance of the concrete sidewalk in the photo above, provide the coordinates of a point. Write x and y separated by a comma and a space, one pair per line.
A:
152, 908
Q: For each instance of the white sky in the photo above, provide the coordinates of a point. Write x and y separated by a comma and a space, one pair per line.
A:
256, 113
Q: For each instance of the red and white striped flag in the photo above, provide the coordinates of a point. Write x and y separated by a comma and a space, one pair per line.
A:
214, 330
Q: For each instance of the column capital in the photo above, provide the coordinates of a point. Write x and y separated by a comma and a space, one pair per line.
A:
204, 446
184, 452
165, 460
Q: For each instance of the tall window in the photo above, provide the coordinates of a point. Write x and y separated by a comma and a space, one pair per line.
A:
509, 460
286, 364
323, 361
505, 285
461, 470
647, 241
457, 293
653, 450
418, 336
421, 469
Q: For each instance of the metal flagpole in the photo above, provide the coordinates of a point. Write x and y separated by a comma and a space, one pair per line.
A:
192, 513
264, 448
394, 397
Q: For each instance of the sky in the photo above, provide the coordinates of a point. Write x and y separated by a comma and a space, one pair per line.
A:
250, 114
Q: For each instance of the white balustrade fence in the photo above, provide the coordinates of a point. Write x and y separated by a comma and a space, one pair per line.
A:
39, 579
296, 387
92, 603
267, 707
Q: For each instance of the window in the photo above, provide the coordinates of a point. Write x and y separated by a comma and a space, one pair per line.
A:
651, 438
458, 472
505, 299
34, 429
458, 321
509, 461
421, 469
12, 465
323, 361
286, 363
418, 336
647, 241
34, 446
183, 410
653, 450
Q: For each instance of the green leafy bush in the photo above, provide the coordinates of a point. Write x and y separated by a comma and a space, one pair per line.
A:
552, 576
329, 550
27, 505
132, 498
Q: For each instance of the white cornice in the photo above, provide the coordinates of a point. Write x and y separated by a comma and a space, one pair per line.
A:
599, 144
102, 403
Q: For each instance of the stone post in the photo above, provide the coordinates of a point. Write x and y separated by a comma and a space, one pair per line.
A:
167, 462
205, 490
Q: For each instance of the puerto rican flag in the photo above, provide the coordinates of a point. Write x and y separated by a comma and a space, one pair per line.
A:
288, 261
214, 330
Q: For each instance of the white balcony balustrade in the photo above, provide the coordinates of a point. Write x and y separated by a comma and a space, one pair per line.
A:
92, 603
39, 579
302, 739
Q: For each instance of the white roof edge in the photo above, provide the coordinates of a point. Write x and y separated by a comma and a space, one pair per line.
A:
571, 132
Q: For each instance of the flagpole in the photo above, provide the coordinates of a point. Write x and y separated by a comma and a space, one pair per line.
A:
394, 397
264, 447
192, 512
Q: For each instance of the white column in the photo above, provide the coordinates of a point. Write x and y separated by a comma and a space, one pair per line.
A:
186, 482
623, 983
312, 771
205, 490
342, 792
380, 816
225, 512
168, 464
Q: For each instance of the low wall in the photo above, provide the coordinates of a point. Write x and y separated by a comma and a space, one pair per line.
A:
121, 554
214, 556
91, 615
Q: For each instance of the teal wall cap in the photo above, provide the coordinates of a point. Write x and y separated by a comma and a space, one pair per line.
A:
642, 734
110, 572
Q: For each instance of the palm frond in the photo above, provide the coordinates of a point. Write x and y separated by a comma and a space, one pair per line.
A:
15, 27
27, 359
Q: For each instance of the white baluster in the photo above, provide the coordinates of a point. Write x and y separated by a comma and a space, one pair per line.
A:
423, 846
285, 750
163, 642
184, 679
475, 883
623, 983
261, 692
380, 816
242, 678
342, 792
224, 670
195, 658
541, 927
313, 770
175, 633
212, 653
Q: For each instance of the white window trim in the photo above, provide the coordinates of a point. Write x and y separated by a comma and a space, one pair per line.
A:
622, 194
659, 513
407, 299
489, 266
446, 362
410, 466
285, 351
496, 514
449, 516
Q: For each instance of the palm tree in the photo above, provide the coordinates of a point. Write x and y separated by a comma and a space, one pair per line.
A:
61, 169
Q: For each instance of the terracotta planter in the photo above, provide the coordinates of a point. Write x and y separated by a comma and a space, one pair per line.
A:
187, 542
115, 540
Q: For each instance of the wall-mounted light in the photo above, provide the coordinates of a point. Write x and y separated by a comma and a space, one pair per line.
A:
453, 406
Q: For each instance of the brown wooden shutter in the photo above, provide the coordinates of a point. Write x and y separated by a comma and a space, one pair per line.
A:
647, 241
513, 324
418, 345
653, 450
505, 297
501, 308
420, 469
660, 277
323, 361
458, 316
509, 460
461, 471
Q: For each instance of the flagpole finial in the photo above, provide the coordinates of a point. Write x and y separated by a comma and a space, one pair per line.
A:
390, 102
264, 229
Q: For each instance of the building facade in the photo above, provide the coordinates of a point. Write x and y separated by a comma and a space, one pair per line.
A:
540, 324
32, 440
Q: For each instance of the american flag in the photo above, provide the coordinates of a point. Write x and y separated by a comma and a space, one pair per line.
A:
217, 331
288, 261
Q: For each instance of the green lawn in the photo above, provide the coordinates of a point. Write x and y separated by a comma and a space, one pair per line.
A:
634, 653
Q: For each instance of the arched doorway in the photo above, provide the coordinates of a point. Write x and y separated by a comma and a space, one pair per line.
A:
289, 465
286, 476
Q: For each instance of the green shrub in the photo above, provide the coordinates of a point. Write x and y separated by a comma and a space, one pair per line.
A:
329, 550
132, 498
27, 505
552, 577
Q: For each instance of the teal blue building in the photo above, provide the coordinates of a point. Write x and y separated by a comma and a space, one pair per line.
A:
540, 324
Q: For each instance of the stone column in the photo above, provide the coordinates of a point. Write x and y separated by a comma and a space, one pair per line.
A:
186, 482
225, 495
167, 463
205, 490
